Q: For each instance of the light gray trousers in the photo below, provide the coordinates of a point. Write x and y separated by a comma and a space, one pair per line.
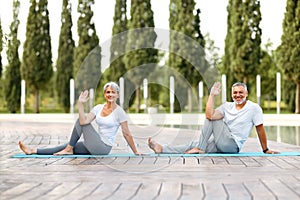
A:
92, 143
214, 138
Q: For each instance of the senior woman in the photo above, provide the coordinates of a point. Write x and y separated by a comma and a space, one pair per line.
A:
109, 117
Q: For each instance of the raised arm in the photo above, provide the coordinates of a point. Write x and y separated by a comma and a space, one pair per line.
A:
84, 118
210, 112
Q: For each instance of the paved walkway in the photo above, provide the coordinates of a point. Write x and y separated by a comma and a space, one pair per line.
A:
139, 177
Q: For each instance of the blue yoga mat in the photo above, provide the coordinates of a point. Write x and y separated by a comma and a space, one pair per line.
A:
241, 154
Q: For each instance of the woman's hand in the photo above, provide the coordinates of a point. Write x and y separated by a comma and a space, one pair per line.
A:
83, 97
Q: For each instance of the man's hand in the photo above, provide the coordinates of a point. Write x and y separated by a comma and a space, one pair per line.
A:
272, 152
216, 89
83, 97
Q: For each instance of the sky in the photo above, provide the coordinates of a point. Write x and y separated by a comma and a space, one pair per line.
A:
213, 20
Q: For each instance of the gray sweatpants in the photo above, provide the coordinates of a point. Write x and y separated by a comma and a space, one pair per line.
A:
92, 143
214, 138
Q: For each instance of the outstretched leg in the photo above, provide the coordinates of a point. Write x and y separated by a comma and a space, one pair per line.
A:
195, 151
27, 150
157, 148
66, 151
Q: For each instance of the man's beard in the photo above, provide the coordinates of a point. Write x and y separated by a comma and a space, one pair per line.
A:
240, 102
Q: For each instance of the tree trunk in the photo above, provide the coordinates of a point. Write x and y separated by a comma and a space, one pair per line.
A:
297, 99
137, 99
36, 97
190, 100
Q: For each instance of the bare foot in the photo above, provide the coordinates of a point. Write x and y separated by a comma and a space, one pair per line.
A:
25, 149
195, 151
157, 148
67, 151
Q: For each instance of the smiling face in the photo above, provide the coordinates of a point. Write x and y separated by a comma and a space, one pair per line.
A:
110, 94
239, 94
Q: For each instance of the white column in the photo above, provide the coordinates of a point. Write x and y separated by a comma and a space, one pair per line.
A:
224, 88
23, 96
172, 93
258, 92
121, 97
200, 86
278, 91
145, 86
92, 98
72, 95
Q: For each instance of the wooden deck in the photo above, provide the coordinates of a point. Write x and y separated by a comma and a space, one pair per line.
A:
140, 177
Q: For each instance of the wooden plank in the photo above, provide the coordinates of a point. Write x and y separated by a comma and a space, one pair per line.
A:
126, 191
147, 191
147, 160
105, 191
279, 189
133, 160
292, 183
237, 191
191, 161
162, 160
19, 189
281, 163
63, 189
258, 190
120, 161
235, 161
91, 161
169, 190
205, 161
192, 191
214, 190
40, 191
250, 162
83, 191
219, 161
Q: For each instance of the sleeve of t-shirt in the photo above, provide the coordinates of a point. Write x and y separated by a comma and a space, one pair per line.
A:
258, 115
96, 109
122, 116
221, 108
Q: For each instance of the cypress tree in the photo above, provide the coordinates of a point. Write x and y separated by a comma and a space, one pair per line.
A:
1, 48
182, 20
87, 54
118, 42
13, 74
64, 63
288, 53
242, 44
141, 61
229, 48
36, 67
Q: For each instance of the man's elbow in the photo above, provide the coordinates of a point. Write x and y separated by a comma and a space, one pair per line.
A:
208, 116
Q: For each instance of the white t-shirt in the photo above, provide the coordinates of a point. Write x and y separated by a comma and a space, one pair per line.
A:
240, 122
108, 126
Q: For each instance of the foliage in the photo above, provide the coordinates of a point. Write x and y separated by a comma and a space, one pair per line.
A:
288, 53
118, 42
87, 54
242, 44
64, 63
140, 58
36, 68
1, 48
187, 44
13, 74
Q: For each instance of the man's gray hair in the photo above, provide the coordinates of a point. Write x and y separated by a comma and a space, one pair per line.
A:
240, 84
113, 85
